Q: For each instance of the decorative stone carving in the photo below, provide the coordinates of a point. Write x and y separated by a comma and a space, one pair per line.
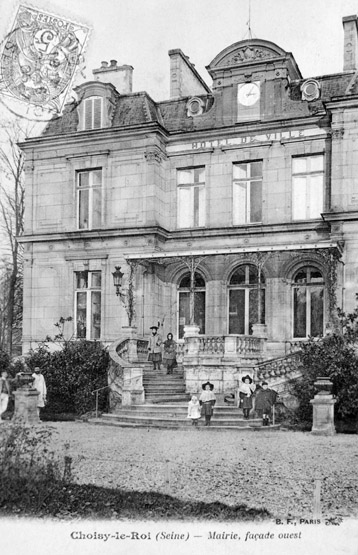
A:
310, 90
337, 133
154, 155
249, 54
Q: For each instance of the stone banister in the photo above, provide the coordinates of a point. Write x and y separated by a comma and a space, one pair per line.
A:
277, 371
125, 372
224, 346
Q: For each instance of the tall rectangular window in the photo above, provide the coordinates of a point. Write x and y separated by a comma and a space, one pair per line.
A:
247, 193
307, 187
191, 197
92, 113
89, 199
88, 305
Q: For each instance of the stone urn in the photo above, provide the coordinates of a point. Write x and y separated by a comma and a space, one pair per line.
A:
323, 386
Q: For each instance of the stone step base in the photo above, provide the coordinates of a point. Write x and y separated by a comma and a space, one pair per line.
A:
159, 399
173, 419
182, 426
180, 408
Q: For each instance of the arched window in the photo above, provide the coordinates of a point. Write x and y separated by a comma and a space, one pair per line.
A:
246, 299
308, 302
184, 303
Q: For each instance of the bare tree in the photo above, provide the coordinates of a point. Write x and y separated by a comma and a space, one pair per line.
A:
12, 196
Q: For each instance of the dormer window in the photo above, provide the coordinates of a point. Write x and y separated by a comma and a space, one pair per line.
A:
93, 117
96, 103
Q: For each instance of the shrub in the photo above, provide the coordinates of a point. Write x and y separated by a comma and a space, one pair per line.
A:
334, 356
29, 472
4, 360
71, 374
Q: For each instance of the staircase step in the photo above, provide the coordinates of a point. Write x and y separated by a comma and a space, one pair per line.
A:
174, 422
194, 429
181, 408
183, 426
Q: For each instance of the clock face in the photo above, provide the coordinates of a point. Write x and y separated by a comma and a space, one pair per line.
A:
248, 94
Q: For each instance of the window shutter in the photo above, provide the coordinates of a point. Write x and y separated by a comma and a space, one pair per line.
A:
88, 113
97, 109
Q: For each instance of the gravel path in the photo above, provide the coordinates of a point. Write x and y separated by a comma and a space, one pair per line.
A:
272, 470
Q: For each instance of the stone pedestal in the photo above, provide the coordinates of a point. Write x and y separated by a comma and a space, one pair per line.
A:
133, 390
192, 341
26, 405
131, 333
323, 409
259, 330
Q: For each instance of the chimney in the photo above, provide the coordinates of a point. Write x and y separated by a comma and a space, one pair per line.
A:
350, 54
120, 76
184, 78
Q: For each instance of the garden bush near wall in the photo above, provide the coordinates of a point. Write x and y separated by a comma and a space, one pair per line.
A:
4, 360
71, 374
30, 475
334, 356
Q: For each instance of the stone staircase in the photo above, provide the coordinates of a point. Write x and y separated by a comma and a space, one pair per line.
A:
161, 387
174, 416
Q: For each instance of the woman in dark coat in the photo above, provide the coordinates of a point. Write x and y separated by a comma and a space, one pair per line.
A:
245, 393
265, 399
169, 355
207, 401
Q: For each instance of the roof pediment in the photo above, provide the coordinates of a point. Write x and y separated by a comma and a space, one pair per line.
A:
246, 51
250, 52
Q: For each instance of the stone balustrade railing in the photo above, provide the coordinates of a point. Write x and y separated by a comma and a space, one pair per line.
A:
279, 370
223, 346
125, 372
212, 344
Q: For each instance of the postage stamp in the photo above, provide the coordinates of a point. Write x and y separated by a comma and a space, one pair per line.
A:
39, 59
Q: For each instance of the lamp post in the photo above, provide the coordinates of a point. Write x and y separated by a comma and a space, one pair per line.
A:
117, 280
127, 298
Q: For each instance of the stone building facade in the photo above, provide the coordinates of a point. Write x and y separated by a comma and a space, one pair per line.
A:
251, 183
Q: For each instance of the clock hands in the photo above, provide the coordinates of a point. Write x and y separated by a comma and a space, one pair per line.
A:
250, 93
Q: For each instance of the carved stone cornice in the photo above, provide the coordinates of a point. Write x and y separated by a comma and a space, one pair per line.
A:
154, 154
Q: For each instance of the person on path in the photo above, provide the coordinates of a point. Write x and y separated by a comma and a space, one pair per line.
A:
265, 400
194, 411
207, 401
169, 355
40, 385
155, 348
4, 393
245, 392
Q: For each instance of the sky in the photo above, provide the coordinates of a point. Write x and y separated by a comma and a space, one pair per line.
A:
140, 33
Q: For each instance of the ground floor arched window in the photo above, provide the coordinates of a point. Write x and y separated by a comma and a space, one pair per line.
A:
184, 303
246, 299
308, 302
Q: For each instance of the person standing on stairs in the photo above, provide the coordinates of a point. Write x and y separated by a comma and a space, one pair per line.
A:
194, 411
170, 353
207, 401
245, 392
265, 400
155, 348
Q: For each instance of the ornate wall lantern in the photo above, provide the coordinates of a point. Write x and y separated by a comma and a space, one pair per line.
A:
117, 280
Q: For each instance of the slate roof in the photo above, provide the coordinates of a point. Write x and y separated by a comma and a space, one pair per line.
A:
139, 108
